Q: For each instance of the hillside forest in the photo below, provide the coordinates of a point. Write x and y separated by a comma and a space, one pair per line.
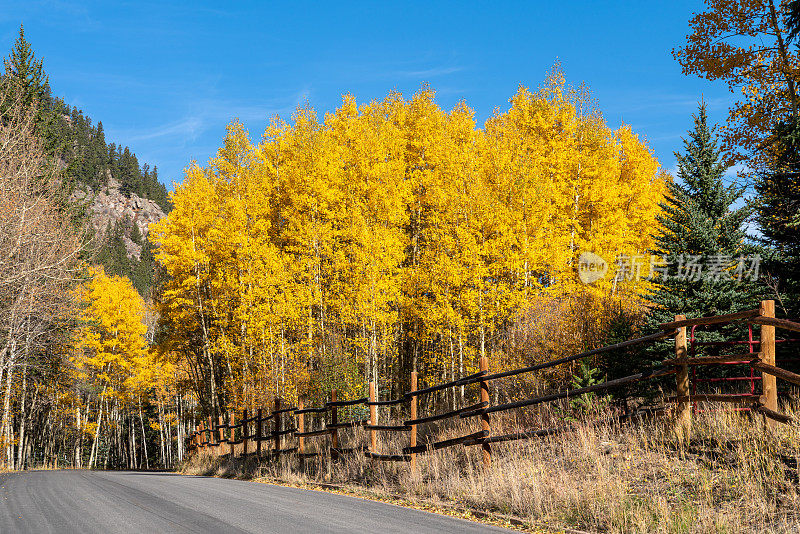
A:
376, 239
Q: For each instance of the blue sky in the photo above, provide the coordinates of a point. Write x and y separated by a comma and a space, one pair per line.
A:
166, 77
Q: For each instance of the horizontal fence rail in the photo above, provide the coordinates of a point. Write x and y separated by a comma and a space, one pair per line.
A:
780, 323
289, 428
553, 363
717, 319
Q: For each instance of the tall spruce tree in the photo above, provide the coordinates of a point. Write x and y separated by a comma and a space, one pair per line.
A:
26, 75
702, 236
777, 207
709, 260
143, 271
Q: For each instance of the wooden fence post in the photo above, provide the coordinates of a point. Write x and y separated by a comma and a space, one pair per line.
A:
244, 433
301, 427
220, 434
231, 431
258, 432
211, 436
277, 426
412, 439
683, 421
487, 450
373, 420
767, 349
334, 422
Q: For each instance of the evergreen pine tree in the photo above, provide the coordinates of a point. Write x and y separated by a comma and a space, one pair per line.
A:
143, 270
703, 240
70, 137
102, 254
113, 254
54, 130
26, 75
622, 325
136, 234
701, 226
777, 210
159, 191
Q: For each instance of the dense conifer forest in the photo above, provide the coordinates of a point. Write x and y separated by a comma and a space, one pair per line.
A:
88, 163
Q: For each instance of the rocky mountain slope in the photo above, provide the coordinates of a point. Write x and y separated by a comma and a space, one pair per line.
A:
109, 207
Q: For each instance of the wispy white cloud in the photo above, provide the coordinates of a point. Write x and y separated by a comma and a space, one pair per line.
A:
58, 13
216, 109
206, 113
433, 72
673, 171
188, 128
670, 137
733, 175
667, 102
114, 81
230, 11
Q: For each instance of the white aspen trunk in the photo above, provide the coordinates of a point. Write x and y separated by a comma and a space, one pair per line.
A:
111, 411
22, 418
576, 200
179, 414
452, 398
6, 423
144, 437
461, 359
204, 328
483, 327
76, 450
367, 354
93, 454
132, 457
374, 352
162, 450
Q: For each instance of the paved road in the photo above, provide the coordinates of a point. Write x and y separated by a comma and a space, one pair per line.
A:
136, 502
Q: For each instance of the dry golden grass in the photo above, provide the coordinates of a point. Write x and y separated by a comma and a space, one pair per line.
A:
736, 475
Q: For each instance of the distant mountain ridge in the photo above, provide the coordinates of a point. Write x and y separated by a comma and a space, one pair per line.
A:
90, 161
121, 198
118, 196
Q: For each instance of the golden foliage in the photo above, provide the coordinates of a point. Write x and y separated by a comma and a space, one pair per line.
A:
112, 352
389, 236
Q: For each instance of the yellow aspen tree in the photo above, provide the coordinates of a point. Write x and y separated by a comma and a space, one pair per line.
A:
372, 244
746, 45
392, 236
183, 241
110, 340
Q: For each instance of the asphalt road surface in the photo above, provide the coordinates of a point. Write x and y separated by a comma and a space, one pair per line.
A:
145, 502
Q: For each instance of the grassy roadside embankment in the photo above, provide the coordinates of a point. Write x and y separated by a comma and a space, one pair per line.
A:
734, 476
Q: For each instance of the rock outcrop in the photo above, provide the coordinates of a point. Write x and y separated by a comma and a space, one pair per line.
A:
109, 205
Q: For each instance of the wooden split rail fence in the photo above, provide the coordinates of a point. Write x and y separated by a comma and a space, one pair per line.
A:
280, 425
